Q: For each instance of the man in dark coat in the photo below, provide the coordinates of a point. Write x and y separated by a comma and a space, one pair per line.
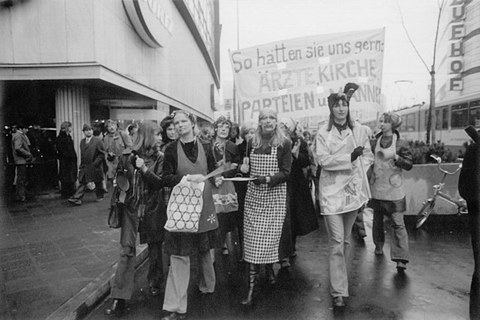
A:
67, 158
469, 189
90, 174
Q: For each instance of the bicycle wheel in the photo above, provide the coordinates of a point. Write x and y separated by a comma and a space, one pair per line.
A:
424, 213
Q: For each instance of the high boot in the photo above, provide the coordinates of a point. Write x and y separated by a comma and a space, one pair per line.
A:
253, 271
270, 274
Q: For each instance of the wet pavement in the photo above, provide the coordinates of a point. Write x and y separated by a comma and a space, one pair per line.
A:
435, 285
49, 251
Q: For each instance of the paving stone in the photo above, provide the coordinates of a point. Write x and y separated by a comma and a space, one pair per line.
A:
15, 249
19, 273
77, 253
45, 258
22, 255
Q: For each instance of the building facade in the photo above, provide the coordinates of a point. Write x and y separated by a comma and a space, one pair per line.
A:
91, 60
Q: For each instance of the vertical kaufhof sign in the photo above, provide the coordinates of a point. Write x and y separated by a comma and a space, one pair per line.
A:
457, 29
151, 19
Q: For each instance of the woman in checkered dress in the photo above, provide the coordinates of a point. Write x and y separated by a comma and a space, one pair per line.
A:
269, 161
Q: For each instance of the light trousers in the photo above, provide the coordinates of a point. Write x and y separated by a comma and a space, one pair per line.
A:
176, 291
339, 228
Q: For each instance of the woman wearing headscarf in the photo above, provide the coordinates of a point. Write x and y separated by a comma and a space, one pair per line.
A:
301, 217
138, 183
190, 158
269, 162
344, 154
392, 156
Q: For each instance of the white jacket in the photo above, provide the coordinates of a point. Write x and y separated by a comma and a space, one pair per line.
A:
343, 185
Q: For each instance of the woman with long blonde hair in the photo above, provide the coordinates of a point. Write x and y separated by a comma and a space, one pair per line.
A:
269, 161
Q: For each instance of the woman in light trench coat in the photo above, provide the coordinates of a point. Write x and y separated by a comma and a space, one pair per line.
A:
344, 154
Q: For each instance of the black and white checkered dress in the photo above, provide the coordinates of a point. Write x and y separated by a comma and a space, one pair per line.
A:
265, 209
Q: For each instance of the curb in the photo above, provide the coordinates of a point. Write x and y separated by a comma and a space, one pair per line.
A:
86, 299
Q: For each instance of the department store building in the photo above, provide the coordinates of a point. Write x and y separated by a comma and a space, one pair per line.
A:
86, 61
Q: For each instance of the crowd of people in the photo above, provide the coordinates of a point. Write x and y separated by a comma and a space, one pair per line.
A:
257, 182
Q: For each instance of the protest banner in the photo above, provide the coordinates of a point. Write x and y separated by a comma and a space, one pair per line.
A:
296, 76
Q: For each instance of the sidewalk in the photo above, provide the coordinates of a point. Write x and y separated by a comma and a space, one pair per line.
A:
50, 251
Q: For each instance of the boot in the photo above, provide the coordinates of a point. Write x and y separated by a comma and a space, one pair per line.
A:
270, 274
253, 271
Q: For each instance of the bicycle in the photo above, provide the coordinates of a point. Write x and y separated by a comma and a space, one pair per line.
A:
429, 205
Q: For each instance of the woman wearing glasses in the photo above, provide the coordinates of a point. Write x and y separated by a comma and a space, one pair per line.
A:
191, 158
269, 161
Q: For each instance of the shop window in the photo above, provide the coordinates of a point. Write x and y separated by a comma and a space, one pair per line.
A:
459, 115
474, 117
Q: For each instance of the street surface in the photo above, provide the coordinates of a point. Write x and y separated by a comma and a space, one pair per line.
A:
435, 285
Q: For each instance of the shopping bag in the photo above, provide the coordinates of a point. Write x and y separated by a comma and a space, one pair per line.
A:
185, 207
225, 197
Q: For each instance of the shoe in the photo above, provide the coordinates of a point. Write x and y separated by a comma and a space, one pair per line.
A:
99, 199
175, 316
401, 266
117, 308
225, 251
21, 199
75, 201
378, 251
285, 264
154, 291
338, 302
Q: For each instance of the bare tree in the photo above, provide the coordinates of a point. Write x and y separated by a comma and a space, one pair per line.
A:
431, 70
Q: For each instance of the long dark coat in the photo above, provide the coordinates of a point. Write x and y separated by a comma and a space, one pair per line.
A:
302, 210
92, 158
67, 158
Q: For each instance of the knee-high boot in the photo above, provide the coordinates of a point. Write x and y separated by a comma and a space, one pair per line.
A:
253, 272
270, 274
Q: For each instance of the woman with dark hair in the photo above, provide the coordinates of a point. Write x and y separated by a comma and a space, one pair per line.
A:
269, 163
168, 132
67, 158
138, 183
343, 151
190, 158
301, 217
392, 156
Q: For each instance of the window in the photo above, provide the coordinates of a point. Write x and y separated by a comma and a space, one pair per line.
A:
403, 125
410, 123
474, 117
459, 115
438, 119
445, 118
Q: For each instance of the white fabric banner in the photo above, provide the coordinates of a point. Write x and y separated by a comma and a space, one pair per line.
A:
296, 76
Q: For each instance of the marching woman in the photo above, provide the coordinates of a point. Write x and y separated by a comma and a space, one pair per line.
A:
191, 158
392, 156
269, 162
168, 132
303, 218
139, 179
343, 151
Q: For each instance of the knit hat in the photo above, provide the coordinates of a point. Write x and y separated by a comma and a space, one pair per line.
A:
86, 126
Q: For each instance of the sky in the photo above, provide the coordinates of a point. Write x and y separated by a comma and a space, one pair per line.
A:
405, 77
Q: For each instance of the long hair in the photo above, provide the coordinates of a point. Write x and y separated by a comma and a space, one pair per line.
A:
146, 143
278, 137
350, 123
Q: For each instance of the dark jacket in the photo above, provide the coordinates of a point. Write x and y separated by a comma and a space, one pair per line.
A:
92, 157
302, 211
67, 158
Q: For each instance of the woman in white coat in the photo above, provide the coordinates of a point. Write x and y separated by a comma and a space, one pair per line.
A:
344, 154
